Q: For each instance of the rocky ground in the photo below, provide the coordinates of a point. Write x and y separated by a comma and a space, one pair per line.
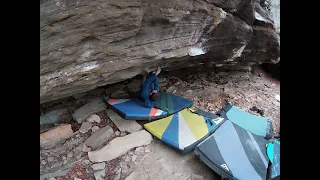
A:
72, 127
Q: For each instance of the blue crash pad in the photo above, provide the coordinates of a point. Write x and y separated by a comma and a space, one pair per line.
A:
135, 109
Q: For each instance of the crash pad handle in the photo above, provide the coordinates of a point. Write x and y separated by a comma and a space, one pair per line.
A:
209, 120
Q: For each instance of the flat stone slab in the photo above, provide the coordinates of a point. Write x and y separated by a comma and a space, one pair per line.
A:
50, 138
120, 145
85, 127
52, 117
99, 137
122, 124
88, 109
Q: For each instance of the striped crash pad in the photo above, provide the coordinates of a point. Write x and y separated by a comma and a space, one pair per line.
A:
171, 103
135, 109
183, 130
235, 153
258, 125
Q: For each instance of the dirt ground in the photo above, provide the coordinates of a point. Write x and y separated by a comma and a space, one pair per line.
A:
157, 161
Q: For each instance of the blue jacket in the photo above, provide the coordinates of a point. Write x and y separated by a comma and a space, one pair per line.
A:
151, 83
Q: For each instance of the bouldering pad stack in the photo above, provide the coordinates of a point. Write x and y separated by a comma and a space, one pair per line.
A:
233, 143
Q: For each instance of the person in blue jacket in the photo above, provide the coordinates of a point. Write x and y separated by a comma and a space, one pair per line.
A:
150, 89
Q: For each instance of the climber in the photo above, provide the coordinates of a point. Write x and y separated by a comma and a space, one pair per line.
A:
150, 89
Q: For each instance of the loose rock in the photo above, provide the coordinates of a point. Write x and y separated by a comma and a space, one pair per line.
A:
123, 125
86, 149
99, 175
147, 150
86, 162
117, 133
94, 129
139, 150
52, 117
120, 145
134, 157
85, 127
76, 178
86, 110
94, 118
99, 137
43, 162
70, 154
170, 89
189, 91
50, 138
98, 166
277, 97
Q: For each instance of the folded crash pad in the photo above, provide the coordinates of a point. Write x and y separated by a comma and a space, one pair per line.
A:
171, 103
234, 153
258, 125
183, 130
135, 109
273, 151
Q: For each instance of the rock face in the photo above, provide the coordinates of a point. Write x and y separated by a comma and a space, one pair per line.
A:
87, 44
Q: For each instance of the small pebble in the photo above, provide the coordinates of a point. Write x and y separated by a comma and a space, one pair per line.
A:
99, 175
147, 150
85, 127
98, 166
189, 91
139, 150
70, 155
86, 162
78, 156
117, 133
94, 128
134, 157
86, 149
43, 162
50, 159
94, 118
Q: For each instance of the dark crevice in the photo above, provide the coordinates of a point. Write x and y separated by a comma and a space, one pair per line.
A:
272, 69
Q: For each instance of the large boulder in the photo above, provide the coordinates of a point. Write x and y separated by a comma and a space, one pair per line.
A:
87, 44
